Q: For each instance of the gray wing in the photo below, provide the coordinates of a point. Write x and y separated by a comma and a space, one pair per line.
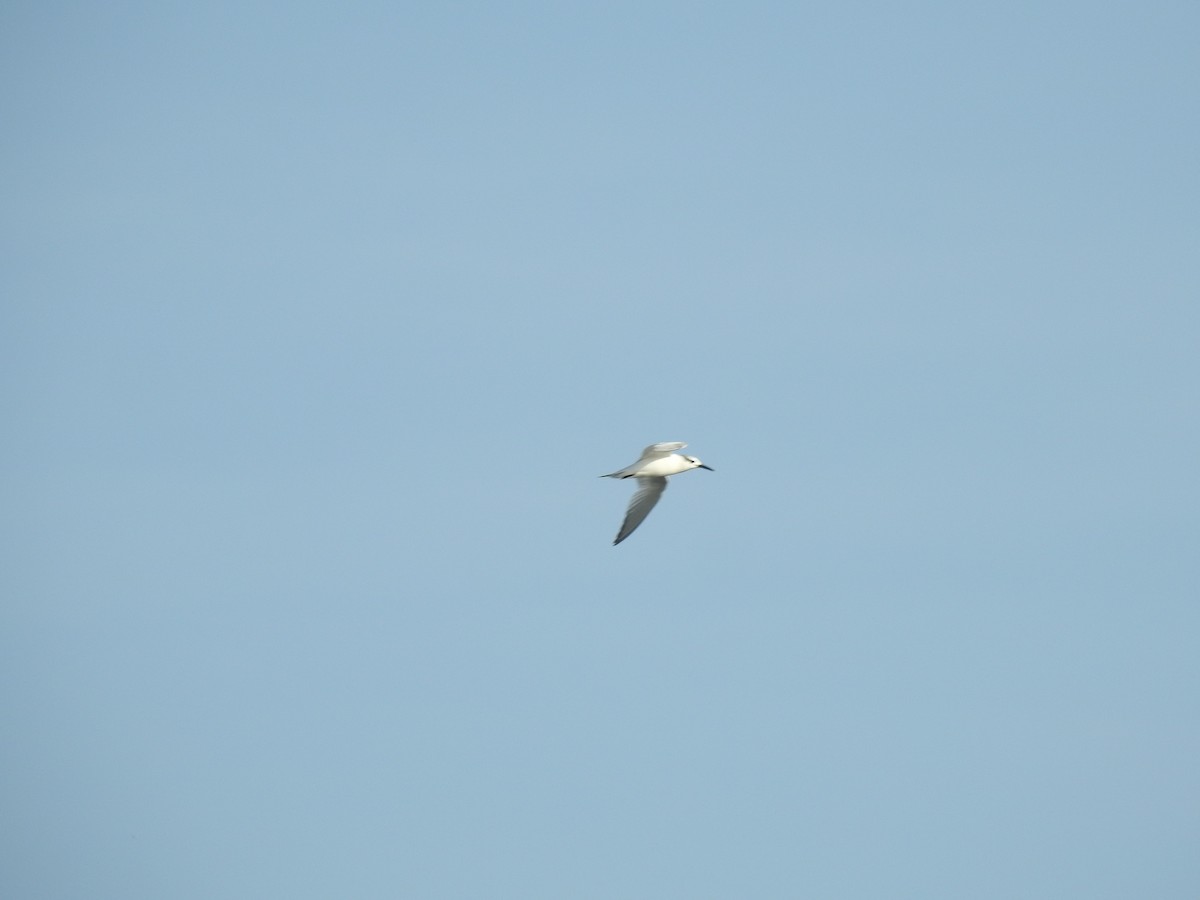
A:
657, 451
648, 492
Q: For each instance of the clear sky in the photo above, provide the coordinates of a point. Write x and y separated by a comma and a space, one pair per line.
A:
320, 320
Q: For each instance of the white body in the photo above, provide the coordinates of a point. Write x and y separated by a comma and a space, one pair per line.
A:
651, 470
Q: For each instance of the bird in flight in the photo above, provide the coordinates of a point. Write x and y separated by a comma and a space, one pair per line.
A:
651, 471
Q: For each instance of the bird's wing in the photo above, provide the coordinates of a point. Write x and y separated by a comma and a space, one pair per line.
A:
649, 490
658, 451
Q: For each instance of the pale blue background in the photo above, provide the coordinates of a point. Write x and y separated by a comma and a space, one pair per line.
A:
320, 321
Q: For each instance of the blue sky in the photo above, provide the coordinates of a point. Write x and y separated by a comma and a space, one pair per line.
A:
321, 320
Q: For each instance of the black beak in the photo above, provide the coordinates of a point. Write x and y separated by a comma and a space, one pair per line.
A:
703, 466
